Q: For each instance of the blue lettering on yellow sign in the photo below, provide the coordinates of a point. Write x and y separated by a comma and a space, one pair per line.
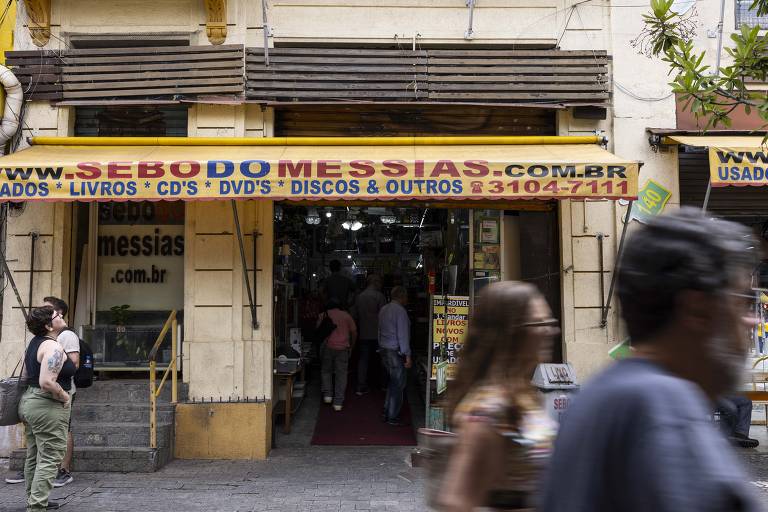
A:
742, 173
24, 190
220, 168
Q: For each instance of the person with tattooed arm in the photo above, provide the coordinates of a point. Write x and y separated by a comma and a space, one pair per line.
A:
45, 406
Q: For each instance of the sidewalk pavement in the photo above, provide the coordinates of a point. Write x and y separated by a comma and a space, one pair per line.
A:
296, 477
309, 479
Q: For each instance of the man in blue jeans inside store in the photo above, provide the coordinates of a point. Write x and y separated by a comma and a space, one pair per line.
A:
395, 350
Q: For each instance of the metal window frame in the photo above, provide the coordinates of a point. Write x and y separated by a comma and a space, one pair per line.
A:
743, 15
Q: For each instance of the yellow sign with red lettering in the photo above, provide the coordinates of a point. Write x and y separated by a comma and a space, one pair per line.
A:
133, 173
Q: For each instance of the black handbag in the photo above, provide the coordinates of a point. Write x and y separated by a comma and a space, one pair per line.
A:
324, 329
11, 390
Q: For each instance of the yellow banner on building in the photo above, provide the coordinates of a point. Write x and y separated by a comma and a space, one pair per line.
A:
738, 166
450, 325
134, 173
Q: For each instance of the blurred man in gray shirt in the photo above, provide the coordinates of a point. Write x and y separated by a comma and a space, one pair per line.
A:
366, 311
639, 436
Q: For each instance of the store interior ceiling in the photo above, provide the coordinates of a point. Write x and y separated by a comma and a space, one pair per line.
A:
355, 218
351, 229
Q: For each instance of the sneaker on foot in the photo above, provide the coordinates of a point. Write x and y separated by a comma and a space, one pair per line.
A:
63, 478
397, 423
327, 399
361, 392
16, 478
743, 441
337, 408
53, 505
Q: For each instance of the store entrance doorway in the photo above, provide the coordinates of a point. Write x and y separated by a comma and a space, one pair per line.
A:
380, 248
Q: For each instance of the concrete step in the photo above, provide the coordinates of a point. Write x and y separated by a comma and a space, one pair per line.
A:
89, 412
125, 391
101, 459
119, 435
110, 427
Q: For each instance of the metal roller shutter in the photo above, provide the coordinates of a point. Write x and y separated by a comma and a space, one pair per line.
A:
733, 202
398, 120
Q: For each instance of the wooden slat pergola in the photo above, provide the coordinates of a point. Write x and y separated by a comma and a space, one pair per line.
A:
135, 73
312, 74
546, 78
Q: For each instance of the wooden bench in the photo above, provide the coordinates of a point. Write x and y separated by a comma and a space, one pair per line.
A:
759, 392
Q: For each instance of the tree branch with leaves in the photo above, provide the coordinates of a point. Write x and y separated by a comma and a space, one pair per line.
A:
711, 95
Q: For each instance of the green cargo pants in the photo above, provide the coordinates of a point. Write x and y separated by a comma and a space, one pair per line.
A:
46, 421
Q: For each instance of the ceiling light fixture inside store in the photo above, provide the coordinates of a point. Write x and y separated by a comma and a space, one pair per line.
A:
312, 218
352, 224
328, 213
388, 217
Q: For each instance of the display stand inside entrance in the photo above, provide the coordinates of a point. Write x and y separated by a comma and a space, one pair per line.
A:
286, 380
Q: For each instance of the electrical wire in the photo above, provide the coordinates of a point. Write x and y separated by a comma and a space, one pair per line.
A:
5, 12
628, 92
618, 85
567, 21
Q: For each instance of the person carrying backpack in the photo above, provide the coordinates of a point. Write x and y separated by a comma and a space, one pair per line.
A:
70, 342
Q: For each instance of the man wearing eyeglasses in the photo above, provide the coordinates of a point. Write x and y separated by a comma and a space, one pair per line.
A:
639, 436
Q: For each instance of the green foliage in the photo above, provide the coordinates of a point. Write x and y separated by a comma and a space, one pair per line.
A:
120, 314
711, 95
760, 7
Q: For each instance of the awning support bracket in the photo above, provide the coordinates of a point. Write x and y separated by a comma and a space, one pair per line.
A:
606, 306
706, 196
238, 231
601, 269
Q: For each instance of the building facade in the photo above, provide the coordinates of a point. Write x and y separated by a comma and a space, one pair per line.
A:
225, 354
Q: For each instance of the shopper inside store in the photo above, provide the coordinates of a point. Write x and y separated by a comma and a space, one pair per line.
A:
372, 303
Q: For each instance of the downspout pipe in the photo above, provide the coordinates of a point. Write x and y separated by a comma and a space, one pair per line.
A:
717, 74
14, 96
469, 34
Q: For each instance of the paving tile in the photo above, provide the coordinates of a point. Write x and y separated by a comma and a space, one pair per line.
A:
294, 479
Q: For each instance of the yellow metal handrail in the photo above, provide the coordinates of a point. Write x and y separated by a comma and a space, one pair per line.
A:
154, 391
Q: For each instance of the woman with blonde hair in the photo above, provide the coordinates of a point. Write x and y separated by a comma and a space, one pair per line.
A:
504, 436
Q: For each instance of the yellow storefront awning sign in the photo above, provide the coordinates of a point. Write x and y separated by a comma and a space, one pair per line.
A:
448, 172
738, 161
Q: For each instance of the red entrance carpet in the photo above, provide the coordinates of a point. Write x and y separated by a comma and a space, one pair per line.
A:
359, 423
